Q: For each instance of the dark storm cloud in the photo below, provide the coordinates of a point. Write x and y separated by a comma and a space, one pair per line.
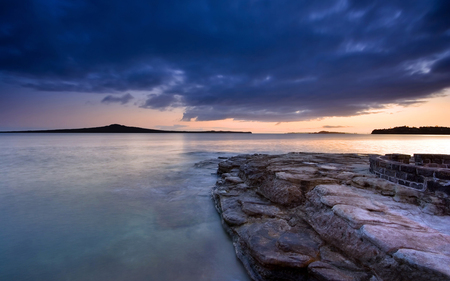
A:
442, 66
117, 99
162, 101
247, 60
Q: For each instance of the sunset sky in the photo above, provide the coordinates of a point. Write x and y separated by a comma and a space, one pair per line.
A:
253, 65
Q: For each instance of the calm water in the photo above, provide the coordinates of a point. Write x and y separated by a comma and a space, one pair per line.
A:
136, 206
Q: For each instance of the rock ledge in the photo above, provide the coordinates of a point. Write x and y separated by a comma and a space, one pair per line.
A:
314, 216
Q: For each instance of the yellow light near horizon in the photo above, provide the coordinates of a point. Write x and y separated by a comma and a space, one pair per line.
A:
431, 112
69, 111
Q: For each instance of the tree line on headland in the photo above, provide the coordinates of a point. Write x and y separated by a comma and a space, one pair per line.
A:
414, 130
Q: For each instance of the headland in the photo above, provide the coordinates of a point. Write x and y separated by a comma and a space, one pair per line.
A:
414, 130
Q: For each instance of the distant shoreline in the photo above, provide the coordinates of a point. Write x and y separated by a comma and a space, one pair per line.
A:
322, 133
414, 130
116, 128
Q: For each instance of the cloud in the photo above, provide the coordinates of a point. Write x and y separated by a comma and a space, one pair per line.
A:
162, 101
334, 127
117, 99
173, 127
275, 61
442, 66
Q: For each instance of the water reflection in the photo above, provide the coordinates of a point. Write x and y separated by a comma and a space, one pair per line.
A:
136, 207
269, 143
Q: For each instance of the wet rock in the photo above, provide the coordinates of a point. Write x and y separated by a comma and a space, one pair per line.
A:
233, 180
301, 241
328, 255
234, 217
325, 271
426, 261
263, 241
313, 216
255, 209
390, 239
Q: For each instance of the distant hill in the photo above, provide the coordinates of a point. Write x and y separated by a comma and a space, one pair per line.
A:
414, 130
116, 128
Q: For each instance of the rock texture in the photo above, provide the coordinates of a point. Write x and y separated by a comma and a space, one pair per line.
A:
311, 216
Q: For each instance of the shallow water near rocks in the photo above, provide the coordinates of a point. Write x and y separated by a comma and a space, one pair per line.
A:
136, 206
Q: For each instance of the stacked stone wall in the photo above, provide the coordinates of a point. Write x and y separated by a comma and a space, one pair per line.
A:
422, 177
432, 160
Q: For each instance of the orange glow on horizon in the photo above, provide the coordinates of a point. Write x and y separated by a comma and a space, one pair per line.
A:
69, 111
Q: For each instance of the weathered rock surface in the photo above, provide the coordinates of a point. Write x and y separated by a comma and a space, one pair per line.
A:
312, 216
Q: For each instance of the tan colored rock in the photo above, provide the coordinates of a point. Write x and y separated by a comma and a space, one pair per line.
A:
234, 217
294, 170
306, 182
325, 217
336, 190
255, 209
383, 186
233, 180
281, 192
391, 239
325, 271
301, 241
336, 259
426, 260
262, 239
357, 217
356, 201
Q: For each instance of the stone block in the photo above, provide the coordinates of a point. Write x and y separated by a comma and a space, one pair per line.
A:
438, 186
418, 186
408, 168
401, 175
420, 179
443, 174
426, 172
380, 170
393, 179
395, 167
404, 158
411, 177
402, 182
390, 173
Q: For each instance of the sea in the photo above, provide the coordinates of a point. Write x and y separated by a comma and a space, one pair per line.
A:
137, 206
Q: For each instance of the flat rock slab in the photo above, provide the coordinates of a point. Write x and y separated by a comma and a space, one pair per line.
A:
315, 216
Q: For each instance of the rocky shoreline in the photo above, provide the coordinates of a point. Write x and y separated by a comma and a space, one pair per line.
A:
314, 216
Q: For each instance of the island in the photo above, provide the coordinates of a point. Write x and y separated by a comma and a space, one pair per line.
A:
414, 130
117, 128
318, 216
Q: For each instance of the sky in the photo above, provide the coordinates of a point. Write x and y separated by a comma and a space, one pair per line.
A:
254, 65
